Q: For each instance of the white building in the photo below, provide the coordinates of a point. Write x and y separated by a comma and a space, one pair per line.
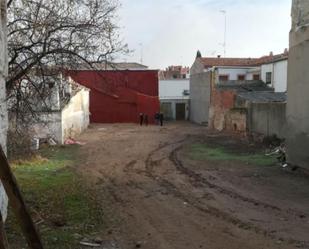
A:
68, 115
174, 98
61, 111
271, 69
228, 73
275, 73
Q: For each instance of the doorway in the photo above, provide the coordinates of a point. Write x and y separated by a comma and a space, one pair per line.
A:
180, 111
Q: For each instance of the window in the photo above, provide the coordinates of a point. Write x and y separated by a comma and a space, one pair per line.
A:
186, 93
223, 77
268, 77
241, 77
256, 77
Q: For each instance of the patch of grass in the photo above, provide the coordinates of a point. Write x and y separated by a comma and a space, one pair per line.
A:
57, 198
206, 152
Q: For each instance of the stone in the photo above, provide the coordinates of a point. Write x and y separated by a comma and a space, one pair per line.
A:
300, 13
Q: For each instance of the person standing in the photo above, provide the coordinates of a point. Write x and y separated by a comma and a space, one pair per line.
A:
157, 118
146, 119
141, 119
161, 118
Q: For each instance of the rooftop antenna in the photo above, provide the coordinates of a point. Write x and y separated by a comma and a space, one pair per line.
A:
224, 42
142, 52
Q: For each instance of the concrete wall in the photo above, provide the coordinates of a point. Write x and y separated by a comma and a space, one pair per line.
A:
298, 86
197, 67
236, 120
200, 97
49, 126
267, 118
75, 116
3, 108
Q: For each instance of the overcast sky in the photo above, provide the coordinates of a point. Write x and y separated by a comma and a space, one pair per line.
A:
171, 31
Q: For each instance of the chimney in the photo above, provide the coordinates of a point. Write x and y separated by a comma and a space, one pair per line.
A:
286, 51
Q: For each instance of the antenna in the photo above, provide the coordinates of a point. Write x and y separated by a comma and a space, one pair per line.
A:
142, 52
224, 42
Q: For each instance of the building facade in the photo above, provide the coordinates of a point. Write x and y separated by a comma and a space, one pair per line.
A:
174, 72
275, 73
174, 99
229, 94
271, 69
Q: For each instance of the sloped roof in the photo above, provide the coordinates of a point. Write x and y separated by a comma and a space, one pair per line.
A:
241, 62
113, 66
244, 86
263, 97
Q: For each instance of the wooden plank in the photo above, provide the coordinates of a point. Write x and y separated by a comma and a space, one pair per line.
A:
18, 204
3, 239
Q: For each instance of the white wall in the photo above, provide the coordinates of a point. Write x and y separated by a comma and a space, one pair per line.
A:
264, 69
75, 116
234, 72
173, 89
281, 76
69, 122
279, 72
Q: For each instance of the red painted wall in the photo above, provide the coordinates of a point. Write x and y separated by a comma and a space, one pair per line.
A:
119, 96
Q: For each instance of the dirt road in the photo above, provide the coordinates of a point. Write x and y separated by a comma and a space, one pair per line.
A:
168, 201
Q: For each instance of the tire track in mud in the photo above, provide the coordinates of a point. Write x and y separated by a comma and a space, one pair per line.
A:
149, 163
207, 209
199, 178
234, 195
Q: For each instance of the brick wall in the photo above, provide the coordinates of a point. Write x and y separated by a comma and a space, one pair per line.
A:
222, 102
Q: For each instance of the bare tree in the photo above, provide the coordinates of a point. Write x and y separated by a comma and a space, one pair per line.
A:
57, 34
45, 37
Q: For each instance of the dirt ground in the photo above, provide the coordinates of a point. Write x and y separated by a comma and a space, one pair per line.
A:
165, 200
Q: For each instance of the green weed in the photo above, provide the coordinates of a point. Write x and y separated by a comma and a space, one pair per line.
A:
56, 197
206, 152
